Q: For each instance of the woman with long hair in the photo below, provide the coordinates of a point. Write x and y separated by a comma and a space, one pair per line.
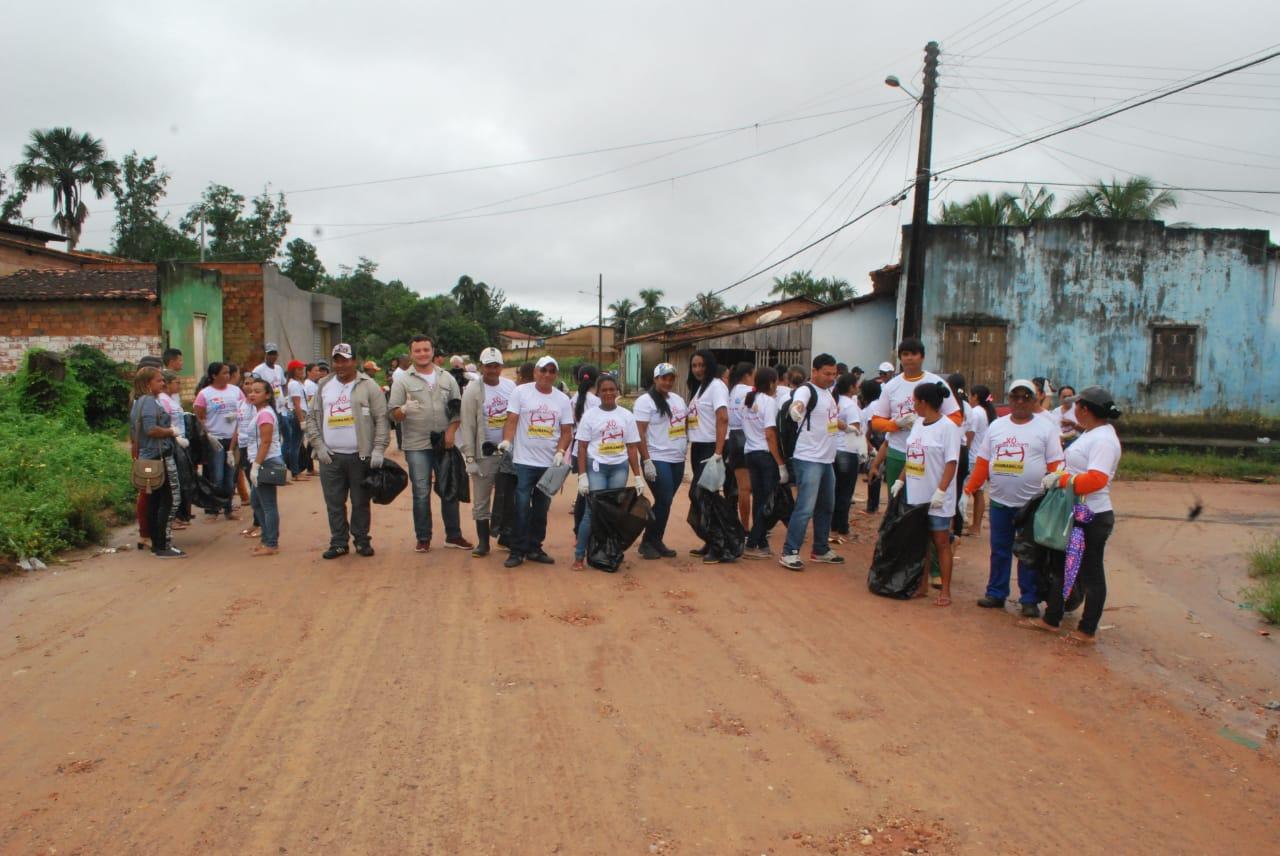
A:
982, 412
933, 448
765, 465
1068, 428
155, 436
851, 450
660, 420
264, 446
608, 446
218, 406
956, 382
584, 400
740, 383
708, 424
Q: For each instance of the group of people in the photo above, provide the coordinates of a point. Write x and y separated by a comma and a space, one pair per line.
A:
812, 433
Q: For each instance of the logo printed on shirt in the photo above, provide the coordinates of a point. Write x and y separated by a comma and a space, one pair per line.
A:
340, 414
1009, 457
915, 459
611, 442
542, 422
495, 411
833, 419
676, 428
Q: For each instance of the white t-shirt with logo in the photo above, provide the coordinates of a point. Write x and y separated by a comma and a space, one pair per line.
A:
220, 410
855, 442
702, 412
538, 426
275, 374
265, 416
818, 440
737, 397
975, 420
757, 419
173, 404
309, 388
1097, 449
929, 449
607, 433
897, 398
667, 439
338, 417
496, 399
1018, 457
298, 390
245, 413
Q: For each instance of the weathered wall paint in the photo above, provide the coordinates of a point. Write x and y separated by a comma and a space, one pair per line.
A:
1079, 297
187, 291
292, 315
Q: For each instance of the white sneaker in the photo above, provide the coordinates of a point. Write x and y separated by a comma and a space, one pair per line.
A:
829, 558
791, 561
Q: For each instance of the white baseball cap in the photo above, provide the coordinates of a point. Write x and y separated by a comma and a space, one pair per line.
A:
1023, 383
489, 356
662, 369
886, 367
548, 361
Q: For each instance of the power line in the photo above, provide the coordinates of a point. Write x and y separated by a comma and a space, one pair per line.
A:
1045, 61
1096, 98
1086, 184
1033, 26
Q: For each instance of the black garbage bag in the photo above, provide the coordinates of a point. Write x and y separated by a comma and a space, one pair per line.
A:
452, 482
714, 519
778, 507
618, 517
1025, 548
386, 482
503, 514
898, 564
204, 497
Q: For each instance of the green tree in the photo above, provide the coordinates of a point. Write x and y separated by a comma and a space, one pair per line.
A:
140, 232
515, 317
1135, 198
10, 201
707, 306
461, 335
800, 283
232, 234
983, 209
302, 264
621, 313
651, 315
65, 162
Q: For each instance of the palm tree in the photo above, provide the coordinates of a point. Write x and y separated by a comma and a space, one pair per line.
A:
800, 283
1006, 209
1137, 198
1031, 207
651, 315
64, 161
707, 306
622, 312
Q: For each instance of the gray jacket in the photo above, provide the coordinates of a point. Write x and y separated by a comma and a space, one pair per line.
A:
372, 433
417, 428
471, 436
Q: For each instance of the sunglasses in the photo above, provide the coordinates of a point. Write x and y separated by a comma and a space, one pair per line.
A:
1021, 396
549, 370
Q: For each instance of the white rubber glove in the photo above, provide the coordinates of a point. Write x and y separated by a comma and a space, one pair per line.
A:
558, 460
473, 469
411, 407
323, 456
894, 488
784, 475
966, 509
253, 474
640, 487
1051, 480
376, 460
650, 471
716, 458
182, 442
853, 428
939, 499
905, 421
796, 411
505, 447
231, 458
584, 485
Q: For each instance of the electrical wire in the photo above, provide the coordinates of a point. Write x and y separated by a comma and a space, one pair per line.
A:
1086, 184
1028, 29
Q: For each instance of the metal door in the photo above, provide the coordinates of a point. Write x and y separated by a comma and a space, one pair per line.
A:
977, 351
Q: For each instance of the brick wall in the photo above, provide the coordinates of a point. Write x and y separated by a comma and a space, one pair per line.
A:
242, 311
123, 329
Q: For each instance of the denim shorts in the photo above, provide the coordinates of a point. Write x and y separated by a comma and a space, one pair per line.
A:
938, 523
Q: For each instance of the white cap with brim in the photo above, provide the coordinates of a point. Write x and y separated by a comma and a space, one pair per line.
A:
1023, 383
489, 356
342, 349
548, 361
886, 367
663, 369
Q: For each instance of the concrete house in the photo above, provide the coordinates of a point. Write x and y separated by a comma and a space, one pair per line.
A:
1173, 320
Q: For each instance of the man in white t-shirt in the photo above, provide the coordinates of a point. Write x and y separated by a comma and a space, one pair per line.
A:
537, 438
271, 370
814, 410
894, 412
484, 419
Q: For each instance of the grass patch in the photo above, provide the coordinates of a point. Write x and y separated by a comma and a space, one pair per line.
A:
1142, 465
1264, 566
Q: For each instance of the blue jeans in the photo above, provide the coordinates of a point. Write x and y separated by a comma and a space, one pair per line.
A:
266, 512
815, 499
221, 475
846, 481
291, 442
609, 476
423, 466
670, 477
1000, 523
763, 471
531, 511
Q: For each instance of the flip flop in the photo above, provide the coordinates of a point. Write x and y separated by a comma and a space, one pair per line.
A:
942, 601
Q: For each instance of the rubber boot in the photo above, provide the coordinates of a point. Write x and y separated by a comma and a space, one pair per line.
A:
482, 539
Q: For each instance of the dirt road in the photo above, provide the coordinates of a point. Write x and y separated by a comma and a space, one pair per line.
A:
440, 704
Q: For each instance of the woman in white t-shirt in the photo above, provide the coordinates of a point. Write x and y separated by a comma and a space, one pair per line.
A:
708, 424
933, 450
584, 401
660, 421
264, 446
1091, 464
981, 413
849, 455
217, 405
740, 384
608, 446
1068, 429
766, 467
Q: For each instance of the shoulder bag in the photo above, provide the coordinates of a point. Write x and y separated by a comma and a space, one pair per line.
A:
147, 474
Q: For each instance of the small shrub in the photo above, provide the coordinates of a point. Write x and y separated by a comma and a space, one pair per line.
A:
1264, 566
1264, 558
1265, 597
107, 384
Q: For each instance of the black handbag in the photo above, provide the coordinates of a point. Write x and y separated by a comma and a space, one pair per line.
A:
272, 472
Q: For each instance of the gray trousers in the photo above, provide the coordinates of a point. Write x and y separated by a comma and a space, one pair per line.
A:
482, 487
339, 480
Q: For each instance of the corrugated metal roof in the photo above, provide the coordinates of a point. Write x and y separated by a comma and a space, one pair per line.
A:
27, 285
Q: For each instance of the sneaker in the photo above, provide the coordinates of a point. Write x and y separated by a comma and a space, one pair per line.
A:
365, 550
648, 551
1030, 610
989, 602
756, 553
515, 560
698, 551
666, 552
541, 558
335, 552
423, 547
828, 558
791, 561
170, 553
459, 543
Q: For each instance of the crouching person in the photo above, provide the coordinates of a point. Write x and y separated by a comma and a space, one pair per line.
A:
347, 430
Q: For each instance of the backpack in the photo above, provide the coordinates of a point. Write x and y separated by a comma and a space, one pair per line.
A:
788, 429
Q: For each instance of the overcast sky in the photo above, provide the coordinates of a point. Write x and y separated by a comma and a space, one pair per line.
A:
311, 94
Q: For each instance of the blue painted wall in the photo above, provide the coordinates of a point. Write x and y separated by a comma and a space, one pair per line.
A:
1079, 297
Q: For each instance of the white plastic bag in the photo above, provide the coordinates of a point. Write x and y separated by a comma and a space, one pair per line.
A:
712, 477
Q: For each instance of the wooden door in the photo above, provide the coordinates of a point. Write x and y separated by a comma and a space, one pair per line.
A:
977, 351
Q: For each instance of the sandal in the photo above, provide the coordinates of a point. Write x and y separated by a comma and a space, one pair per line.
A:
578, 565
252, 533
1079, 639
264, 551
942, 600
